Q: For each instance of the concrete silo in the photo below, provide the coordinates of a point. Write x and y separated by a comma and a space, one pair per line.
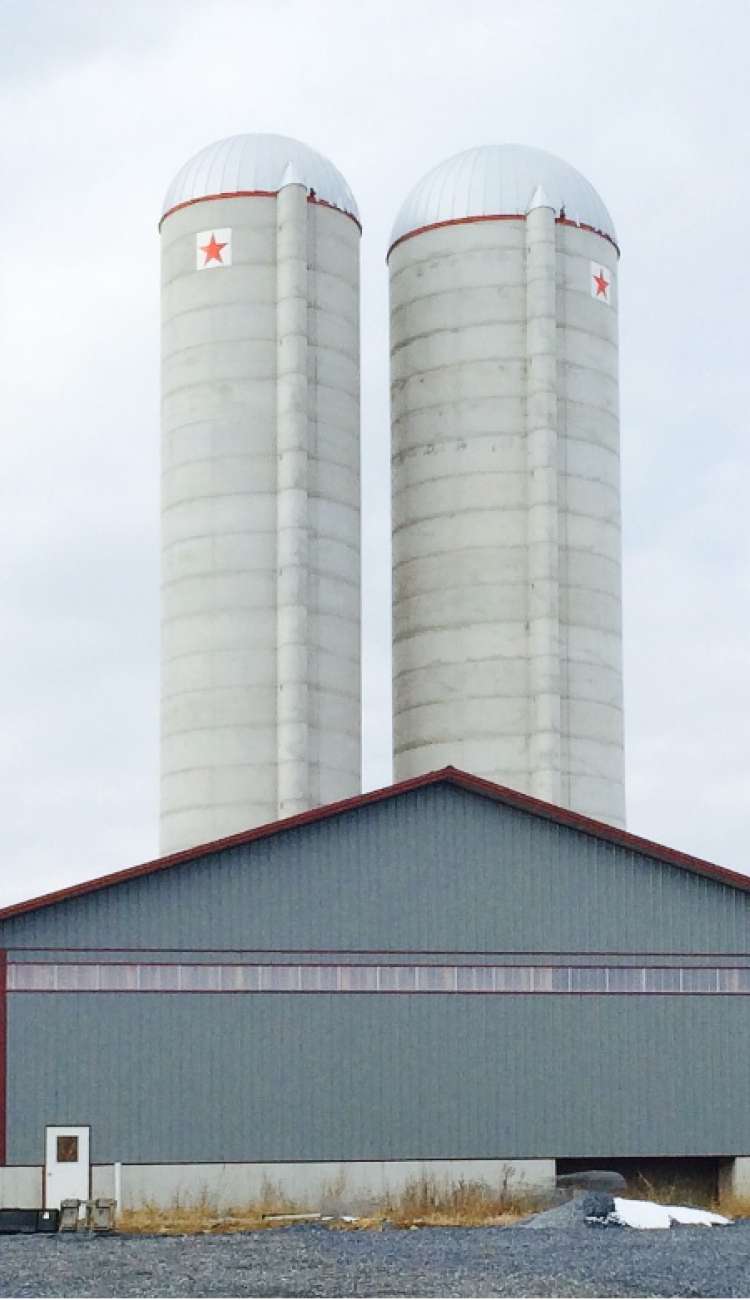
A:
260, 656
506, 479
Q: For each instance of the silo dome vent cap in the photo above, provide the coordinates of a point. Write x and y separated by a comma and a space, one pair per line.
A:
501, 180
258, 164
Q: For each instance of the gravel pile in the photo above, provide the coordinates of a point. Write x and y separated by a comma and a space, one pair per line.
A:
581, 1261
573, 1213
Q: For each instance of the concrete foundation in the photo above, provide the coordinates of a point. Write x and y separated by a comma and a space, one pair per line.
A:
325, 1185
319, 1185
734, 1177
21, 1187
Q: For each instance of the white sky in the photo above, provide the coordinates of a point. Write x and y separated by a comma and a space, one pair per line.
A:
102, 102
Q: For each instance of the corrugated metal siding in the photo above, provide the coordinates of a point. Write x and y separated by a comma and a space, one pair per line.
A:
190, 1078
277, 1077
437, 869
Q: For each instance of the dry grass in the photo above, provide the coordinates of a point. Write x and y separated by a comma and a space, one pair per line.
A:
424, 1202
734, 1207
683, 1191
678, 1191
431, 1201
201, 1215
178, 1220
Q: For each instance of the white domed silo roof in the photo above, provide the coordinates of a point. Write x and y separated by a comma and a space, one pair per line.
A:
499, 180
252, 164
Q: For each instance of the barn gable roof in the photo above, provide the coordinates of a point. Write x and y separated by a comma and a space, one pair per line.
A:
444, 776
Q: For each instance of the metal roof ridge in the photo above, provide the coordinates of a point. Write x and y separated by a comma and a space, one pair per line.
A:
446, 775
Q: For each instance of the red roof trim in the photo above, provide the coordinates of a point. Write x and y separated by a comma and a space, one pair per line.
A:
255, 194
497, 216
446, 775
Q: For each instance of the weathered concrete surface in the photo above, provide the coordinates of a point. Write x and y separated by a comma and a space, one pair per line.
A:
734, 1177
21, 1186
314, 1183
506, 510
260, 655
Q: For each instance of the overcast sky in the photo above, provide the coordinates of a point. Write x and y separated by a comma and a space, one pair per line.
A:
102, 102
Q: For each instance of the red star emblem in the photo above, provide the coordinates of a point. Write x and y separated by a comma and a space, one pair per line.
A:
213, 251
602, 285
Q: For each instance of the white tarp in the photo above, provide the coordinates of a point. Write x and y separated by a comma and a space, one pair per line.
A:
647, 1214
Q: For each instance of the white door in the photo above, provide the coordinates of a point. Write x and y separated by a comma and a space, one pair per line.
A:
66, 1165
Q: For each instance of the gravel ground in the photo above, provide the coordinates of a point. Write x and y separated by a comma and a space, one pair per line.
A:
582, 1261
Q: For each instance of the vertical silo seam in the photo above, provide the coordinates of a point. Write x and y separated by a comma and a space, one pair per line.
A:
543, 537
292, 535
561, 312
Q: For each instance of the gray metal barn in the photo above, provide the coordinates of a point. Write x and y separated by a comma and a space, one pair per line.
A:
442, 974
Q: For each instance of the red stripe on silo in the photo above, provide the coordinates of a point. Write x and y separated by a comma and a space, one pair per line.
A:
323, 203
207, 198
497, 216
592, 230
455, 221
256, 194
3, 1054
